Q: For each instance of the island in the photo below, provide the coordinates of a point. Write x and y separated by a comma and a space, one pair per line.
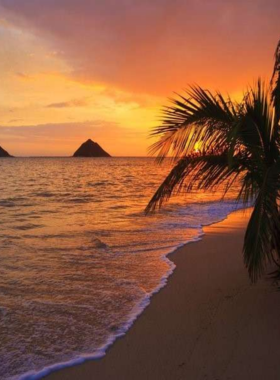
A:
90, 149
4, 153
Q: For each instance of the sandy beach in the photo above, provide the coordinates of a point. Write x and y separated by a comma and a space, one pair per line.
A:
209, 322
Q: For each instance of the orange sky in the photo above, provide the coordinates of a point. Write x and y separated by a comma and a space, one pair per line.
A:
77, 69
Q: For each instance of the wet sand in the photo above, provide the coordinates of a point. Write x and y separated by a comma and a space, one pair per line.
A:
208, 323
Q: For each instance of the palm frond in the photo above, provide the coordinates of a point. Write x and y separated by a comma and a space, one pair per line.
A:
260, 237
275, 85
196, 172
255, 130
201, 117
238, 141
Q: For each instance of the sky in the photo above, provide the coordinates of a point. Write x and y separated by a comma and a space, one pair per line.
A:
102, 69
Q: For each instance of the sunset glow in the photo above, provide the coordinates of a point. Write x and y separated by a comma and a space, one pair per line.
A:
73, 70
140, 189
197, 147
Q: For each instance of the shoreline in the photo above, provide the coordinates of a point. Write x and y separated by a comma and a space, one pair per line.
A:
89, 368
134, 315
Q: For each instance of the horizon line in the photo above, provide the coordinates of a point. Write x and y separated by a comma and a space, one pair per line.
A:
77, 157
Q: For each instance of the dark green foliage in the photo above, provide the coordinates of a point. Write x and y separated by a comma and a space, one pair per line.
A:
238, 142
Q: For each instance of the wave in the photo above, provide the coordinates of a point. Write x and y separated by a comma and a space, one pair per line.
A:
117, 331
92, 247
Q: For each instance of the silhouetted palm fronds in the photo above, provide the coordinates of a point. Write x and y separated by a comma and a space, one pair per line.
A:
238, 141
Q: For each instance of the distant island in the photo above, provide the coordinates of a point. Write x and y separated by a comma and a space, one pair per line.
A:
4, 153
90, 149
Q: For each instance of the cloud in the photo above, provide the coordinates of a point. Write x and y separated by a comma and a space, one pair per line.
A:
13, 121
84, 102
22, 76
121, 97
60, 131
155, 46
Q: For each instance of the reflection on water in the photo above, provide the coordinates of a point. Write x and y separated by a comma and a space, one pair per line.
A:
77, 255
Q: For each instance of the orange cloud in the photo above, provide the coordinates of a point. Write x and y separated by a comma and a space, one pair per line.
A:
156, 46
70, 104
66, 61
22, 76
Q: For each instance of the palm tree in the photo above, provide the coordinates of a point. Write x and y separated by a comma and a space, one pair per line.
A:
239, 142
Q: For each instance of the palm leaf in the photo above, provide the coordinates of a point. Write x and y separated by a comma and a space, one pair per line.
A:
200, 118
275, 85
196, 172
260, 237
239, 141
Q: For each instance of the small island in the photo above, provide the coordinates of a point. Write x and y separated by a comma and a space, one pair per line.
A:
4, 153
90, 149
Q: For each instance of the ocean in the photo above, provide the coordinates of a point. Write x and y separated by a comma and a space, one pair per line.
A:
79, 260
